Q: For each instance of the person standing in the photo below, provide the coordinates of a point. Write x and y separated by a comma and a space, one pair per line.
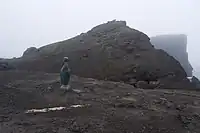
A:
65, 74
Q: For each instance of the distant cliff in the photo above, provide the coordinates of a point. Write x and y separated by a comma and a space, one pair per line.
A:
197, 72
176, 46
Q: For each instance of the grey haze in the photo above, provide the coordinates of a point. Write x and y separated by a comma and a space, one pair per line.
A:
26, 23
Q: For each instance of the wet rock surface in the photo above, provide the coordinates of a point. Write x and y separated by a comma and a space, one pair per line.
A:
113, 107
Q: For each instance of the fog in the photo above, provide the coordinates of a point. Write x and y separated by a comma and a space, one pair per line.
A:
26, 23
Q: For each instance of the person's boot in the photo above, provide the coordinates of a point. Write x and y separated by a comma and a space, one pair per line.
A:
68, 87
62, 87
65, 87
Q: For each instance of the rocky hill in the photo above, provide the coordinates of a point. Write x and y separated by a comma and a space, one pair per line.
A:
110, 51
176, 46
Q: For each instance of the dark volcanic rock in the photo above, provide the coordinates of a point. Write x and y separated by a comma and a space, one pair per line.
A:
111, 51
30, 52
196, 81
5, 65
105, 106
176, 46
142, 84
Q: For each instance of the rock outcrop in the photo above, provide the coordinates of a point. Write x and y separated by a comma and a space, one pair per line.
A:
176, 46
195, 81
30, 52
110, 51
4, 65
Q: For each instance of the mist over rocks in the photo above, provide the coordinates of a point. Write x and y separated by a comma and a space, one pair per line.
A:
109, 51
176, 46
197, 72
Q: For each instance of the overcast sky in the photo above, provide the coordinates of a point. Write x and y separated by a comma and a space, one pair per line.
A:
26, 23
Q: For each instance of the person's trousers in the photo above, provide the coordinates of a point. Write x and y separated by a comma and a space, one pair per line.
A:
64, 78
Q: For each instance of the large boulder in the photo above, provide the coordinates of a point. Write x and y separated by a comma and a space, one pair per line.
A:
176, 46
111, 51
